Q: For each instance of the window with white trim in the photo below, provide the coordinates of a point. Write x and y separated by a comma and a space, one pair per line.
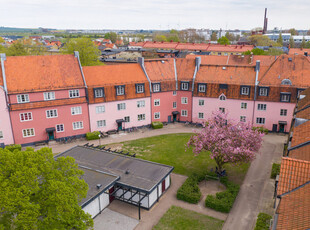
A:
139, 88
60, 128
157, 102
25, 116
285, 97
260, 120
99, 92
28, 132
174, 93
140, 104
283, 112
157, 115
184, 100
51, 113
262, 107
49, 96
242, 118
77, 125
222, 109
263, 91
184, 85
74, 93
201, 102
141, 117
156, 87
22, 98
127, 119
120, 90
174, 105
245, 90
184, 113
1, 134
100, 109
222, 97
76, 110
200, 115
101, 123
244, 105
121, 106
202, 88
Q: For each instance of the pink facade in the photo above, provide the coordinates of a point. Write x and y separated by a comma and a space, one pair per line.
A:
185, 104
162, 104
103, 116
6, 135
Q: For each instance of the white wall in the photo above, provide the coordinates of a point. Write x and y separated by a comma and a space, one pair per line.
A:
93, 208
153, 197
167, 182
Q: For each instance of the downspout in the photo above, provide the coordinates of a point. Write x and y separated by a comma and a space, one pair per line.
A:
176, 75
257, 67
197, 66
3, 58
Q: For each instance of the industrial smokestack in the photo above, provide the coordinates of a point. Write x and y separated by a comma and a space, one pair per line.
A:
265, 22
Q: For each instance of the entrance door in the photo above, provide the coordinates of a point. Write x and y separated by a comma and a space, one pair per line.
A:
163, 186
174, 117
281, 128
274, 128
119, 126
169, 119
51, 136
111, 198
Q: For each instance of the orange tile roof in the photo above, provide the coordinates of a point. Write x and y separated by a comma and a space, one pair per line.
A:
97, 76
294, 210
140, 44
41, 73
297, 70
302, 103
301, 134
299, 51
230, 75
185, 69
230, 48
304, 113
160, 70
293, 173
192, 46
302, 153
160, 45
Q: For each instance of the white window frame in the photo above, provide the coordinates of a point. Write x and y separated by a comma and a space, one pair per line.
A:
184, 113
201, 88
22, 98
27, 114
244, 105
141, 117
201, 102
156, 87
157, 115
283, 112
60, 130
51, 113
140, 88
261, 107
222, 97
99, 92
260, 120
74, 93
200, 115
245, 90
285, 97
184, 85
120, 90
174, 104
174, 93
101, 123
263, 91
121, 106
76, 110
242, 118
141, 104
157, 102
29, 132
222, 109
100, 109
127, 119
49, 96
77, 125
184, 100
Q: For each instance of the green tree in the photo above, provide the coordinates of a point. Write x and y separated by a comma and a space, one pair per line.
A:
274, 52
112, 36
303, 43
230, 36
1, 40
255, 51
307, 45
280, 39
260, 40
160, 38
293, 31
292, 43
213, 36
17, 49
88, 51
39, 192
223, 41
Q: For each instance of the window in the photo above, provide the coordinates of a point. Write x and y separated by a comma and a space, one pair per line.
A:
200, 115
139, 88
283, 112
174, 93
28, 132
120, 90
202, 88
263, 91
76, 110
140, 104
201, 102
261, 107
25, 116
156, 87
1, 134
157, 102
222, 110
127, 119
242, 118
260, 120
99, 92
60, 128
244, 105
223, 86
101, 123
184, 113
22, 98
141, 117
157, 115
184, 100
77, 125
74, 93
184, 85
222, 97
121, 106
285, 97
174, 105
49, 96
245, 90
100, 109
286, 82
51, 113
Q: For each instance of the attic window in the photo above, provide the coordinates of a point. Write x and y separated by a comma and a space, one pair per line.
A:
286, 82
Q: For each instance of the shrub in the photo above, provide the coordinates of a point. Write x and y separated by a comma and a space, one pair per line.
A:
93, 135
275, 170
223, 201
261, 129
157, 125
13, 147
263, 221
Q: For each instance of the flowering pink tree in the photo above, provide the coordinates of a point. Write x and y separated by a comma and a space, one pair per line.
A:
228, 141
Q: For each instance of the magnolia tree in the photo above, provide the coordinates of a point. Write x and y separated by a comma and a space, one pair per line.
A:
228, 141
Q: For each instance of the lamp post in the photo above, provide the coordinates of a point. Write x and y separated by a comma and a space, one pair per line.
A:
99, 139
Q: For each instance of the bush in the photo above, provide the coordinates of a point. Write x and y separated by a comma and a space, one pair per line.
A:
263, 221
157, 125
275, 170
261, 129
13, 147
93, 135
223, 201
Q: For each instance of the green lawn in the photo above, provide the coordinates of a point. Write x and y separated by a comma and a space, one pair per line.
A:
177, 218
170, 149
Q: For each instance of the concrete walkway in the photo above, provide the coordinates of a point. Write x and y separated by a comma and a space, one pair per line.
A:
246, 207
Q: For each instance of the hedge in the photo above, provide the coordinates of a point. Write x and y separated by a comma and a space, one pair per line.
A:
93, 135
275, 170
261, 129
157, 125
263, 221
223, 201
13, 147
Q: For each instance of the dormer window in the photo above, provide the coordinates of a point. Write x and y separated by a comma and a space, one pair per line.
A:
156, 87
202, 88
99, 92
286, 82
263, 91
120, 90
285, 97
184, 85
245, 90
139, 88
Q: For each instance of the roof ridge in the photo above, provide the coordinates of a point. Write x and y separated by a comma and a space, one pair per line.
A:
294, 159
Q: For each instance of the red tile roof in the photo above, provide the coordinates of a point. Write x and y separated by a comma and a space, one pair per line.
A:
185, 69
301, 134
41, 73
302, 153
160, 45
298, 51
230, 48
160, 70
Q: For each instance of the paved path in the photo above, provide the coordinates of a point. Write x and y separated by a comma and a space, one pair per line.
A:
244, 212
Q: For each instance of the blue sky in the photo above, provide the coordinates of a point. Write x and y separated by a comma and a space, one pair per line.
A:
161, 14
